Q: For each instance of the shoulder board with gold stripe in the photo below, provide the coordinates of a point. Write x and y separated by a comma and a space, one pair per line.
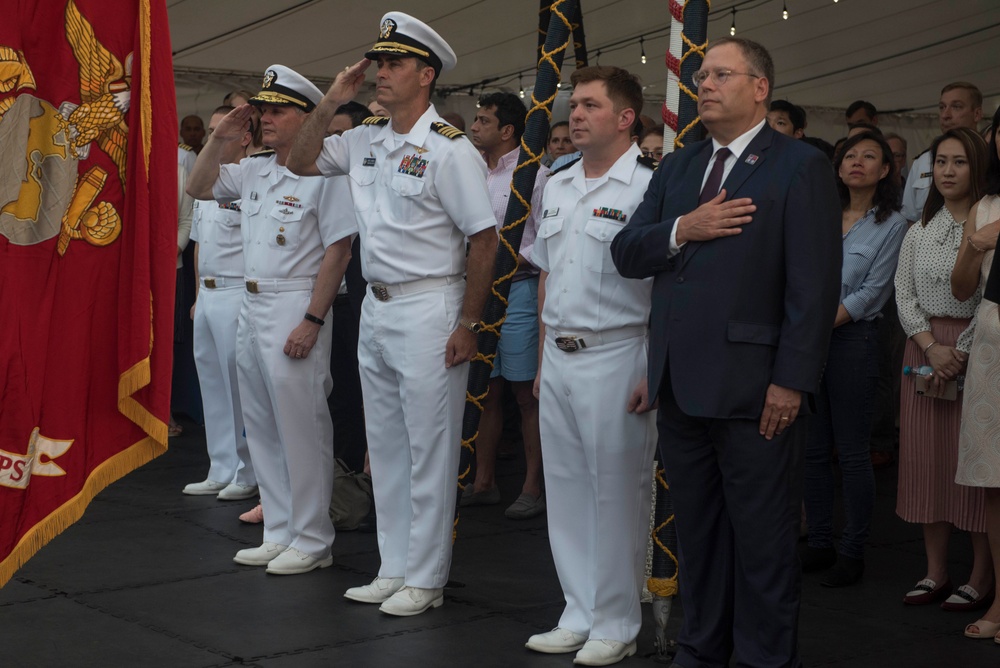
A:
563, 168
262, 154
646, 161
375, 120
446, 130
184, 147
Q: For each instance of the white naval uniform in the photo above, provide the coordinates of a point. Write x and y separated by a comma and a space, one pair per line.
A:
597, 458
417, 197
918, 184
216, 228
288, 222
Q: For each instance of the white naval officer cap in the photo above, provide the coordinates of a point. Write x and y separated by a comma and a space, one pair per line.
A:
400, 34
283, 85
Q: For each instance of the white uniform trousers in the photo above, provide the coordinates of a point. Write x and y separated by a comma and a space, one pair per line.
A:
215, 320
413, 418
288, 424
597, 461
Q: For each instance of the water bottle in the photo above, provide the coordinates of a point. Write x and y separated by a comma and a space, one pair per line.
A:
924, 371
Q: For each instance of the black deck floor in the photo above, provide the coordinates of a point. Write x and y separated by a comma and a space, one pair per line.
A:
146, 578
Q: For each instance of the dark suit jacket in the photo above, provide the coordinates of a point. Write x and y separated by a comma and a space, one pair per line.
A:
737, 313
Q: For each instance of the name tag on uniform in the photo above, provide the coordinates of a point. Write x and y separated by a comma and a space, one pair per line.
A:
927, 175
368, 162
548, 213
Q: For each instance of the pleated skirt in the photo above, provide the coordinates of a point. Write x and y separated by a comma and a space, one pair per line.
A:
928, 448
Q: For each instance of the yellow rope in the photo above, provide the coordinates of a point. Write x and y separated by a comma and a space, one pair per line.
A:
663, 586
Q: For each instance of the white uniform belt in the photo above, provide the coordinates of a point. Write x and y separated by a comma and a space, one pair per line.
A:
213, 282
384, 292
572, 342
256, 285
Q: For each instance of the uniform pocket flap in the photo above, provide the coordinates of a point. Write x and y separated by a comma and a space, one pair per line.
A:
549, 227
602, 230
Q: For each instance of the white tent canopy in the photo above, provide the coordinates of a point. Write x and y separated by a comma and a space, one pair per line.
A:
895, 53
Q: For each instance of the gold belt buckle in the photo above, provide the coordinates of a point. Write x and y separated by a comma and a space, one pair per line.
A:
380, 291
569, 344
210, 283
252, 287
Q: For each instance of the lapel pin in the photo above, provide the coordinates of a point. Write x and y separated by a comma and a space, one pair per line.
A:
751, 159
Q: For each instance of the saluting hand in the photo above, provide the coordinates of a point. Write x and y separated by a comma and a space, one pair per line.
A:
348, 82
234, 125
715, 218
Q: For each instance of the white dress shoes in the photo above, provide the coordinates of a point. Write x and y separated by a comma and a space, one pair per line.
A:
237, 491
603, 652
204, 488
556, 641
409, 601
259, 556
294, 561
378, 591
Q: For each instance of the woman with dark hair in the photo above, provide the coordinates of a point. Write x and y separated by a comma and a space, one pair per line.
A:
940, 329
979, 441
873, 230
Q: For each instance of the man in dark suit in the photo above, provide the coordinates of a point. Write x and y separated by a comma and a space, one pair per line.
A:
747, 280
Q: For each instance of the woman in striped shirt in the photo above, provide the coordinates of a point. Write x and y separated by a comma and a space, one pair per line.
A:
873, 230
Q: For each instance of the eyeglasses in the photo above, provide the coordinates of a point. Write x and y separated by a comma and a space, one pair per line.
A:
719, 77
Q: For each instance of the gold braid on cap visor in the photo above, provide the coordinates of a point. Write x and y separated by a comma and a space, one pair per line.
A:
398, 47
277, 98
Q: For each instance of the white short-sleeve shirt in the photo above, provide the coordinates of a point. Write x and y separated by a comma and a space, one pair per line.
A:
416, 196
288, 220
584, 291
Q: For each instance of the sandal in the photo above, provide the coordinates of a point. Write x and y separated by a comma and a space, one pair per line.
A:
983, 629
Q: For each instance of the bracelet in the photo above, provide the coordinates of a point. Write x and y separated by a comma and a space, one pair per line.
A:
929, 346
311, 318
974, 246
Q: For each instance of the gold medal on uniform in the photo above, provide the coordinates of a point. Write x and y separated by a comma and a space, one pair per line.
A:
280, 239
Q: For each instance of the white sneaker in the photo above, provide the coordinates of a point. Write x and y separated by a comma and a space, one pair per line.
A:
603, 652
409, 601
259, 556
204, 488
377, 591
556, 641
237, 491
294, 561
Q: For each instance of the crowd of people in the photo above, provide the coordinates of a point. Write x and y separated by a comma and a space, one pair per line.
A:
345, 253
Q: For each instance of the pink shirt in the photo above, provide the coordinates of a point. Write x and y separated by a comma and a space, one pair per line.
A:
498, 182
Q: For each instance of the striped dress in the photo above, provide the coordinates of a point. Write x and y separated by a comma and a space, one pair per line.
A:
929, 428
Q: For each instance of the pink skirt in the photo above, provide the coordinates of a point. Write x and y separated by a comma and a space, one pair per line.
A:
928, 448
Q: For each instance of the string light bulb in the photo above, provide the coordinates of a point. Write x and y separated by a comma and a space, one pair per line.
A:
642, 49
784, 10
520, 84
732, 28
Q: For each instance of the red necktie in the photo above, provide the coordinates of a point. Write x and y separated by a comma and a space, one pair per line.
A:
714, 182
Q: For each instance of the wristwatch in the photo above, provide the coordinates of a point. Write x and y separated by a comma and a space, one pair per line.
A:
470, 325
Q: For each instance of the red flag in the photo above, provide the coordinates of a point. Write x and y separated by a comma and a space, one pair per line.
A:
88, 238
